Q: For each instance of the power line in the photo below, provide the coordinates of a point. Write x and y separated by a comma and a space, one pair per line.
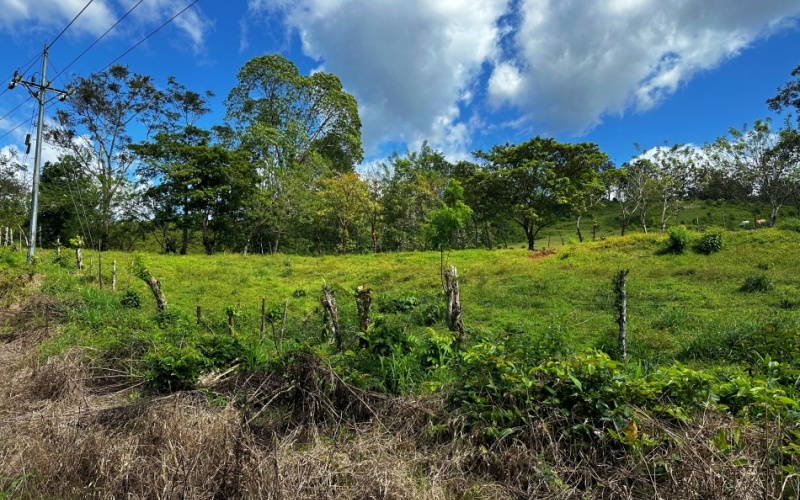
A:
99, 38
70, 23
29, 65
151, 34
18, 106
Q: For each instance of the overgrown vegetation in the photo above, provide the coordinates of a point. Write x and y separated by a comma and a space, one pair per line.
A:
532, 404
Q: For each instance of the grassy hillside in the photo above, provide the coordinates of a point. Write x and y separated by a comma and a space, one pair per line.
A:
533, 404
673, 299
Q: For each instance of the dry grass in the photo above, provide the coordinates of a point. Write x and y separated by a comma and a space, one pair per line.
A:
308, 434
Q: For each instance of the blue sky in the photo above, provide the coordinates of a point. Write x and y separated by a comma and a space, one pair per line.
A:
463, 75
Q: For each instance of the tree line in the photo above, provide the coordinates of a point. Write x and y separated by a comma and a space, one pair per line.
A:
280, 173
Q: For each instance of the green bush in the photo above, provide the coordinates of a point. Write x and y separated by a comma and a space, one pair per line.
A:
757, 283
792, 224
679, 239
710, 242
131, 300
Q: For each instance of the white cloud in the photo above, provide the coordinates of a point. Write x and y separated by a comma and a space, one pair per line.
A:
418, 68
49, 17
410, 64
505, 84
587, 59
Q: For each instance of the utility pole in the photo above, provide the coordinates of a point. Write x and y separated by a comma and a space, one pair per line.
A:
38, 92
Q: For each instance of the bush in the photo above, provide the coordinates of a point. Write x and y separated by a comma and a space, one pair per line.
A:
710, 242
131, 299
757, 283
679, 239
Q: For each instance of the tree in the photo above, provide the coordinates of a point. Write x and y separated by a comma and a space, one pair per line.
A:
207, 183
445, 222
673, 169
615, 181
788, 96
640, 187
68, 202
94, 129
412, 186
295, 130
167, 163
13, 191
346, 196
754, 156
540, 181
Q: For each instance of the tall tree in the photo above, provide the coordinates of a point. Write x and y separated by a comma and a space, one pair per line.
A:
68, 202
541, 180
345, 196
412, 186
13, 191
95, 128
295, 129
753, 155
207, 183
166, 163
673, 170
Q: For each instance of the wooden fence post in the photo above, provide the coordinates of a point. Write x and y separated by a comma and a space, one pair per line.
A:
199, 315
364, 305
328, 302
113, 275
622, 308
263, 316
453, 314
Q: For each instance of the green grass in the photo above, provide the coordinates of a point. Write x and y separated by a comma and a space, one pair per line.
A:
673, 299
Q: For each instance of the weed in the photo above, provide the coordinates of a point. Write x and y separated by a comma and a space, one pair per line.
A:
757, 283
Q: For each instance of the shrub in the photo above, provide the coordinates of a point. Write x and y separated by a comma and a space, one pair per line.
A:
757, 283
679, 239
710, 242
131, 300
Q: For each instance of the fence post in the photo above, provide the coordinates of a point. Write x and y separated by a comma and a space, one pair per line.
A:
452, 296
328, 302
622, 308
113, 275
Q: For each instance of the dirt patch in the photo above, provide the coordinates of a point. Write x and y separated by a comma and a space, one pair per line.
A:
540, 254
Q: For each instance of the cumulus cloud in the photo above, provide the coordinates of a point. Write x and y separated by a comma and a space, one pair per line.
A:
425, 70
412, 65
24, 17
586, 59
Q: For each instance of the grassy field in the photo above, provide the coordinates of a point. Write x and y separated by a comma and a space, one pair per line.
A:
674, 300
533, 404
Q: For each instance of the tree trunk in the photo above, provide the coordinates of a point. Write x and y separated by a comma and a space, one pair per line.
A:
155, 287
208, 241
578, 228
185, 241
773, 214
453, 315
328, 302
594, 232
344, 238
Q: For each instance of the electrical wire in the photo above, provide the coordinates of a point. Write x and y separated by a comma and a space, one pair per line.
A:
151, 34
28, 65
98, 39
18, 106
71, 22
